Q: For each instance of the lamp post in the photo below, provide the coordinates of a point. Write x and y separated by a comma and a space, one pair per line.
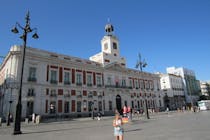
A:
142, 64
26, 29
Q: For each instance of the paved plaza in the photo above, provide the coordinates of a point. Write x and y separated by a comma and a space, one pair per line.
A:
172, 126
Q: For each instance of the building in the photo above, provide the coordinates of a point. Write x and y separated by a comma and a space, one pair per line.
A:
61, 85
173, 90
205, 88
191, 84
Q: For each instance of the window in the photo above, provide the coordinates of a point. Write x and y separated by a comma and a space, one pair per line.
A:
79, 79
98, 79
109, 80
110, 105
105, 46
53, 93
100, 106
66, 78
52, 107
141, 103
85, 105
141, 84
31, 92
138, 103
53, 77
123, 83
131, 83
66, 107
115, 45
132, 104
79, 106
32, 74
89, 80
136, 84
90, 104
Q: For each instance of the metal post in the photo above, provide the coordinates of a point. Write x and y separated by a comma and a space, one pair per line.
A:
147, 112
141, 64
26, 30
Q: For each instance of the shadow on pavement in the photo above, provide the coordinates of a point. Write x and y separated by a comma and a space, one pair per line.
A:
132, 130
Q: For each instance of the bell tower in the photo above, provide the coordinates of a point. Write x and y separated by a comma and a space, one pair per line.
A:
109, 42
109, 49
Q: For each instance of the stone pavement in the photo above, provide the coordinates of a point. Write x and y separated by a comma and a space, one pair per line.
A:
173, 126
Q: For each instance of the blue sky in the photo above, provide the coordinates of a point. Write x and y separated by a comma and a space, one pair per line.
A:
166, 32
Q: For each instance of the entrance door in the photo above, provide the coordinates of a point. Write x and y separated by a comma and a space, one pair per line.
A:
118, 104
30, 108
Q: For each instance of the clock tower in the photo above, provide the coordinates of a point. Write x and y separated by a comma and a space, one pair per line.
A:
109, 49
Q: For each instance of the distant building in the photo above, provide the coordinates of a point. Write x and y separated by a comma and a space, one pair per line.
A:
205, 88
62, 85
191, 84
173, 91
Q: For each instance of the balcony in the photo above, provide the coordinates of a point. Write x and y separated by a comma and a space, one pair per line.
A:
31, 79
79, 84
89, 84
53, 81
117, 86
53, 95
67, 83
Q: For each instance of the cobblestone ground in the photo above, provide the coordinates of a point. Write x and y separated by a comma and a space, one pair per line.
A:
172, 126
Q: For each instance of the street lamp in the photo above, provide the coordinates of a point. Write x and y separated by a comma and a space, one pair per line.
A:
26, 30
142, 64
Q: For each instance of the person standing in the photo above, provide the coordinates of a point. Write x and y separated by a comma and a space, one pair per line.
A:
118, 129
33, 118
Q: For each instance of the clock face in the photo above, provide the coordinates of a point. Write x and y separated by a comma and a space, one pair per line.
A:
105, 46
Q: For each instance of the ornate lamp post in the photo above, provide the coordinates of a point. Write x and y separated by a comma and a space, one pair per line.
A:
142, 64
26, 29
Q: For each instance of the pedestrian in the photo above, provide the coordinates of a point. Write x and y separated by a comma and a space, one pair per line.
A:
124, 111
99, 116
33, 118
118, 129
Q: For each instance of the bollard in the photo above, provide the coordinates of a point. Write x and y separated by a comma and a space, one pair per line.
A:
0, 122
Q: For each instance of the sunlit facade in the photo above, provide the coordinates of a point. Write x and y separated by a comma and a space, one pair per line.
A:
62, 85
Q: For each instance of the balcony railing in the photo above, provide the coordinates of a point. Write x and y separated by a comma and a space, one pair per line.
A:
53, 81
99, 85
117, 86
31, 79
79, 84
67, 83
89, 84
53, 95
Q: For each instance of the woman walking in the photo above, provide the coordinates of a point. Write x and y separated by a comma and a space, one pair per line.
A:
118, 129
